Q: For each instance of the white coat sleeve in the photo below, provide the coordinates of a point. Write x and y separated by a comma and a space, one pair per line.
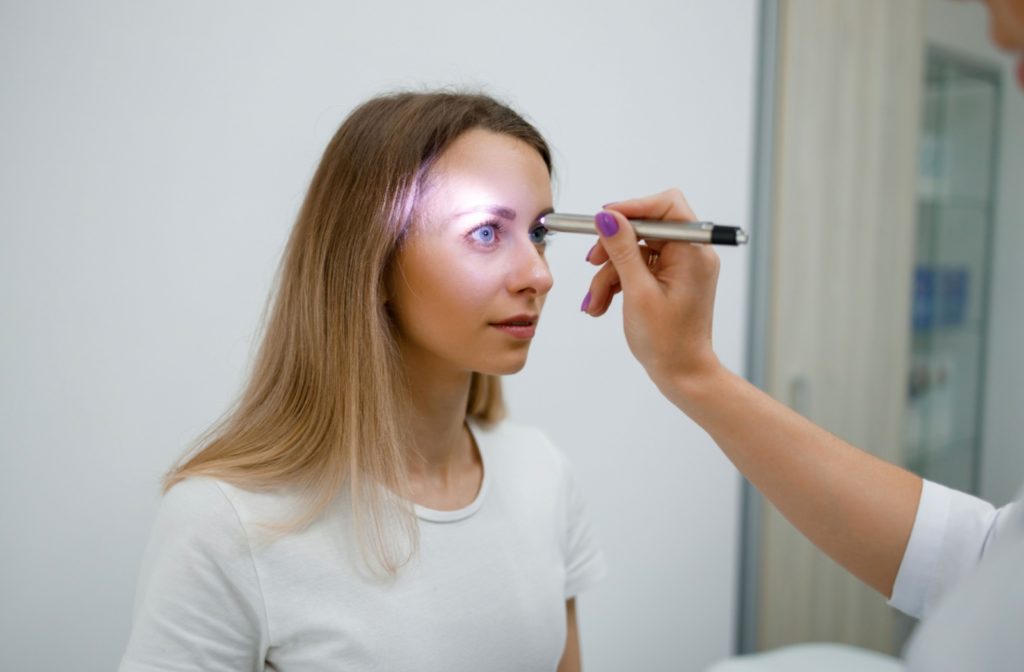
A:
952, 531
198, 603
977, 623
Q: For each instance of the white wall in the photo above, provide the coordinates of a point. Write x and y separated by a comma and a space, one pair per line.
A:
153, 158
964, 27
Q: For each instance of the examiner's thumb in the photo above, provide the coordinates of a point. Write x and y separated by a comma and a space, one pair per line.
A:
619, 240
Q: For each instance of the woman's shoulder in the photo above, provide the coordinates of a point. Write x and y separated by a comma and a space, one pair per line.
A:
509, 440
199, 505
195, 519
193, 495
215, 506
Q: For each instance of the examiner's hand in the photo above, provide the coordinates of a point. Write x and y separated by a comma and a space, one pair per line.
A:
668, 290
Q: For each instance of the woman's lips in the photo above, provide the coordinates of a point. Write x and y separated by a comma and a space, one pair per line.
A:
523, 327
524, 332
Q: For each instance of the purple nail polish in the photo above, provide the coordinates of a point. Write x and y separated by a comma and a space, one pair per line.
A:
607, 224
586, 303
590, 252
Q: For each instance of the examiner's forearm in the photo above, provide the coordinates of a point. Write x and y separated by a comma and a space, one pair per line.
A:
856, 507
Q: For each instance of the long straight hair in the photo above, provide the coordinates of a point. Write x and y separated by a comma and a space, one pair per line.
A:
323, 405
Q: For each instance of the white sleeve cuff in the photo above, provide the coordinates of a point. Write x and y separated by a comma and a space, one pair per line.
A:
919, 567
951, 532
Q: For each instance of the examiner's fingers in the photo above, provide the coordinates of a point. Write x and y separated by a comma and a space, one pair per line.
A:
620, 243
597, 255
605, 285
669, 204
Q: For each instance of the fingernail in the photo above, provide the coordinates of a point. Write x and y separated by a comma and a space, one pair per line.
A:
586, 303
607, 223
607, 204
590, 252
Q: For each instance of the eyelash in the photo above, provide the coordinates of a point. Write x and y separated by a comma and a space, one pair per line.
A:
499, 229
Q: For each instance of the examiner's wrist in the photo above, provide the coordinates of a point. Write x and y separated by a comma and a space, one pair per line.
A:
691, 388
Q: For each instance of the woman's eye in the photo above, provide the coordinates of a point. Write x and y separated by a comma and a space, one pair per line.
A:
539, 235
485, 234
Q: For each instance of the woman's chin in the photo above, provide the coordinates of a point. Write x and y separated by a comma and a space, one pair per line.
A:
506, 367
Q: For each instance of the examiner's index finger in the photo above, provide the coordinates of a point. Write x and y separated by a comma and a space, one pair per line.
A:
670, 204
619, 240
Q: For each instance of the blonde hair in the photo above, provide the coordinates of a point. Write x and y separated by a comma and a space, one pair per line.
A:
323, 405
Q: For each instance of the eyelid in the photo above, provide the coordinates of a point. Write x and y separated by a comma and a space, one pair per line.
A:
493, 223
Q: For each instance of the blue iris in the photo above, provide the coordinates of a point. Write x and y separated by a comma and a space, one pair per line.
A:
486, 234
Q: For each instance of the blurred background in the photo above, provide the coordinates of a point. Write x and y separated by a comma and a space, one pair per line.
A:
154, 156
887, 189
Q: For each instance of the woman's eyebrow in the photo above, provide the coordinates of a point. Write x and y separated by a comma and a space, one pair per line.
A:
501, 211
498, 210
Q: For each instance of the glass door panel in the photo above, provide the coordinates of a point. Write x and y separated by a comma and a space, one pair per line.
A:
951, 277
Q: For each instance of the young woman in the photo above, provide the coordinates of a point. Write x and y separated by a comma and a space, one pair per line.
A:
364, 507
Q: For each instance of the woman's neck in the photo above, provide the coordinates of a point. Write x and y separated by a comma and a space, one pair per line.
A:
445, 469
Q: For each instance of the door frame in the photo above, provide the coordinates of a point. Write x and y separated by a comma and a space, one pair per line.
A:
760, 292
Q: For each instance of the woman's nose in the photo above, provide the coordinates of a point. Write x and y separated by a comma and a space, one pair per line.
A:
530, 273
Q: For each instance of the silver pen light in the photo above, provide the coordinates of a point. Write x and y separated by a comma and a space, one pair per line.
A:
692, 232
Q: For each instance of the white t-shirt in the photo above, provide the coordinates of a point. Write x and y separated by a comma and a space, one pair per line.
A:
487, 590
963, 575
